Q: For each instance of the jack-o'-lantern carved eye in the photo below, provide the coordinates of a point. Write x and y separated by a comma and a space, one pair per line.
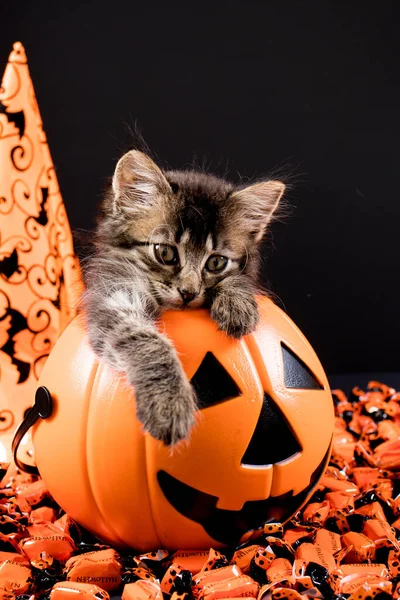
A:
212, 383
296, 373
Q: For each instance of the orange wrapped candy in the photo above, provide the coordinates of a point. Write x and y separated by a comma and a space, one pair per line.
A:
44, 513
142, 590
264, 557
394, 563
380, 532
365, 477
362, 548
99, 567
46, 537
67, 590
279, 569
340, 501
292, 534
15, 574
221, 574
183, 596
6, 593
317, 554
329, 540
352, 584
213, 557
13, 557
243, 557
167, 581
242, 586
317, 512
192, 560
34, 493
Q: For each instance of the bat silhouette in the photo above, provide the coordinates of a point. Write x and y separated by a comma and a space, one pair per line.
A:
9, 264
18, 118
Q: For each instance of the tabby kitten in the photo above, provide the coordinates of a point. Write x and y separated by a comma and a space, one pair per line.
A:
177, 240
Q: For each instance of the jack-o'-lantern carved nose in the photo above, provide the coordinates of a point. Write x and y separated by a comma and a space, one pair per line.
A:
273, 440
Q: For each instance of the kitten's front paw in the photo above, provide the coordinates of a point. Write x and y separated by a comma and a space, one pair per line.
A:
237, 315
167, 409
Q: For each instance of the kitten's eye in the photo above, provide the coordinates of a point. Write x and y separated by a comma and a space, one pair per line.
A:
166, 255
216, 263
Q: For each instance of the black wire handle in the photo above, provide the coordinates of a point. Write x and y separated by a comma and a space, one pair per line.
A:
42, 409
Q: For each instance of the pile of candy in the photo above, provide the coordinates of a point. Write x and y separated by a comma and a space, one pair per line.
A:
343, 544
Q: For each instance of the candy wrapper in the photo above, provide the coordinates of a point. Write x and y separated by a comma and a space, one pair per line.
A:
101, 567
343, 544
83, 591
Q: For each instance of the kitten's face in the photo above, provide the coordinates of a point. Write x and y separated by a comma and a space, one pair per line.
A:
190, 254
182, 272
186, 231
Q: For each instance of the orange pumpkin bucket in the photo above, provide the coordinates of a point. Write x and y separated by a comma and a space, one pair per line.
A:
261, 442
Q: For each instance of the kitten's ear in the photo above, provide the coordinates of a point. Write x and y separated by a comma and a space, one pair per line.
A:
138, 183
254, 206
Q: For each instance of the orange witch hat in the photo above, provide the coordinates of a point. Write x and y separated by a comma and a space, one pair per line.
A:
40, 279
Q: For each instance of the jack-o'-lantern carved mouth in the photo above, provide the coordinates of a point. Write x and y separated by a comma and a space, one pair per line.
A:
227, 526
273, 441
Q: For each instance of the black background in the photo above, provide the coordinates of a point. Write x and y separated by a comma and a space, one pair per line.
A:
308, 89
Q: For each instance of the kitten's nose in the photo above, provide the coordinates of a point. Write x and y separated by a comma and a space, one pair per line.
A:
187, 296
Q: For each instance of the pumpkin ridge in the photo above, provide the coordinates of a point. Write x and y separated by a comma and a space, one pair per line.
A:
91, 484
88, 394
150, 489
